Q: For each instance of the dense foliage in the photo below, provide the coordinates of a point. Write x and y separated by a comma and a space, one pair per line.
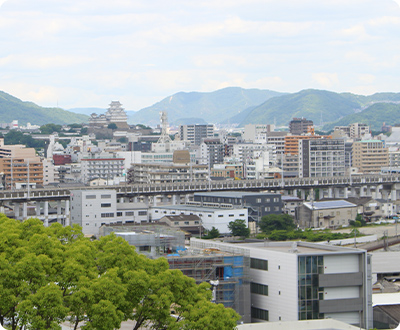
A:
307, 235
239, 228
17, 137
273, 222
50, 275
50, 128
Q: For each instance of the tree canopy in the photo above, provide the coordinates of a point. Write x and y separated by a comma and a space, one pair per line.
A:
50, 128
239, 228
271, 222
53, 274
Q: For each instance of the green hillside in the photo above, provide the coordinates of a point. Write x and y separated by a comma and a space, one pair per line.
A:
374, 116
309, 103
212, 107
12, 108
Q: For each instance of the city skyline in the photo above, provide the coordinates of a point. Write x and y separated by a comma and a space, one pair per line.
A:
69, 54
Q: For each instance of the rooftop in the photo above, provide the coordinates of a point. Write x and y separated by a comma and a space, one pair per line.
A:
233, 194
196, 208
336, 204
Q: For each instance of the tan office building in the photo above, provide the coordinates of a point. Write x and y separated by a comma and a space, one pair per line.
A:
370, 156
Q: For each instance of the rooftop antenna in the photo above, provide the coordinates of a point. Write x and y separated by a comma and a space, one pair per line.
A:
164, 138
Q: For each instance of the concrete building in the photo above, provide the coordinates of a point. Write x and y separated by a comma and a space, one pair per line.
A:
196, 133
305, 281
277, 139
257, 204
105, 168
166, 173
93, 208
321, 157
290, 204
326, 214
257, 133
227, 171
354, 131
211, 214
298, 126
370, 156
212, 152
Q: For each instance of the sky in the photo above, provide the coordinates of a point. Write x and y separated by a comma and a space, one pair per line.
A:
88, 53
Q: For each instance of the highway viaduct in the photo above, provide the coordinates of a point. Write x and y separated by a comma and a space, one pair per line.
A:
377, 186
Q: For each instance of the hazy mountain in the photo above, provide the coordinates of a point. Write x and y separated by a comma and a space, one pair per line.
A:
12, 108
212, 107
88, 111
311, 104
374, 116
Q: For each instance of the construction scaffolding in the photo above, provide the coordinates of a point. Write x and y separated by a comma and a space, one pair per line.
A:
230, 269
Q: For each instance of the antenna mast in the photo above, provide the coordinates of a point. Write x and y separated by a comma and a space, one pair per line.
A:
164, 138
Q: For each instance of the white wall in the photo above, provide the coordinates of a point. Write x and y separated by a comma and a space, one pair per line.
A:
345, 263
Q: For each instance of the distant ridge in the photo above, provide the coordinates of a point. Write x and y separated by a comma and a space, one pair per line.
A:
212, 107
12, 108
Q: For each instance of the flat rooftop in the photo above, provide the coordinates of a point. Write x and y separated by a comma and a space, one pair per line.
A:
298, 248
337, 204
197, 208
233, 194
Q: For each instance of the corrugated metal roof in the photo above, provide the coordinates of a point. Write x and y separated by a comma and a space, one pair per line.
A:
329, 205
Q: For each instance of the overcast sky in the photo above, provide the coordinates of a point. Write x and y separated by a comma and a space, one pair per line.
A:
87, 53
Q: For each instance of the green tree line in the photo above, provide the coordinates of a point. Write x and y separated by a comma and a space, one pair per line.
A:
49, 275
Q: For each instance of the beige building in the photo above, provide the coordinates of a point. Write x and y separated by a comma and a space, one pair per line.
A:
19, 165
326, 214
370, 156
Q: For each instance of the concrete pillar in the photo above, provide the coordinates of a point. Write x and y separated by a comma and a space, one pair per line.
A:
59, 215
16, 210
38, 209
303, 194
345, 193
135, 199
154, 200
393, 194
330, 192
186, 198
25, 211
1, 208
122, 200
46, 213
369, 191
362, 194
295, 192
67, 213
173, 199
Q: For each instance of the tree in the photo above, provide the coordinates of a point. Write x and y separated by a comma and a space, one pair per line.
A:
50, 128
52, 274
213, 233
239, 228
272, 222
112, 126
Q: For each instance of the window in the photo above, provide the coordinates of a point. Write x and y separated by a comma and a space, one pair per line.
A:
259, 288
186, 223
105, 204
87, 223
231, 215
209, 215
267, 209
197, 222
259, 264
129, 213
176, 223
119, 214
259, 313
106, 196
90, 196
107, 215
258, 200
267, 200
241, 215
142, 213
276, 199
220, 215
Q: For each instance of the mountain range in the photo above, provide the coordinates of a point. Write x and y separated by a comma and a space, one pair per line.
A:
12, 108
232, 105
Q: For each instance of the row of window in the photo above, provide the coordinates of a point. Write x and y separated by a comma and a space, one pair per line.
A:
103, 196
259, 313
259, 288
259, 264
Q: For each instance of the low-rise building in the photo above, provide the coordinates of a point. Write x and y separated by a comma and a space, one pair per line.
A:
326, 214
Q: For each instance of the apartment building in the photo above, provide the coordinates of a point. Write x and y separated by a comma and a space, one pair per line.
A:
293, 281
212, 152
105, 168
298, 126
196, 133
321, 158
369, 156
354, 131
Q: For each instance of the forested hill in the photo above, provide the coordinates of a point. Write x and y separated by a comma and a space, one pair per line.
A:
12, 108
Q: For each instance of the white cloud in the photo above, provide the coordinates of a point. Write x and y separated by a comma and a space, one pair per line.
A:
326, 80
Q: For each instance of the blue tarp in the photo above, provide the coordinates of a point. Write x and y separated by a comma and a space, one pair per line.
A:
228, 272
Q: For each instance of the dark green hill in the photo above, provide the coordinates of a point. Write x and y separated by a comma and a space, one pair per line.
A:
309, 103
374, 116
213, 107
365, 101
12, 108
